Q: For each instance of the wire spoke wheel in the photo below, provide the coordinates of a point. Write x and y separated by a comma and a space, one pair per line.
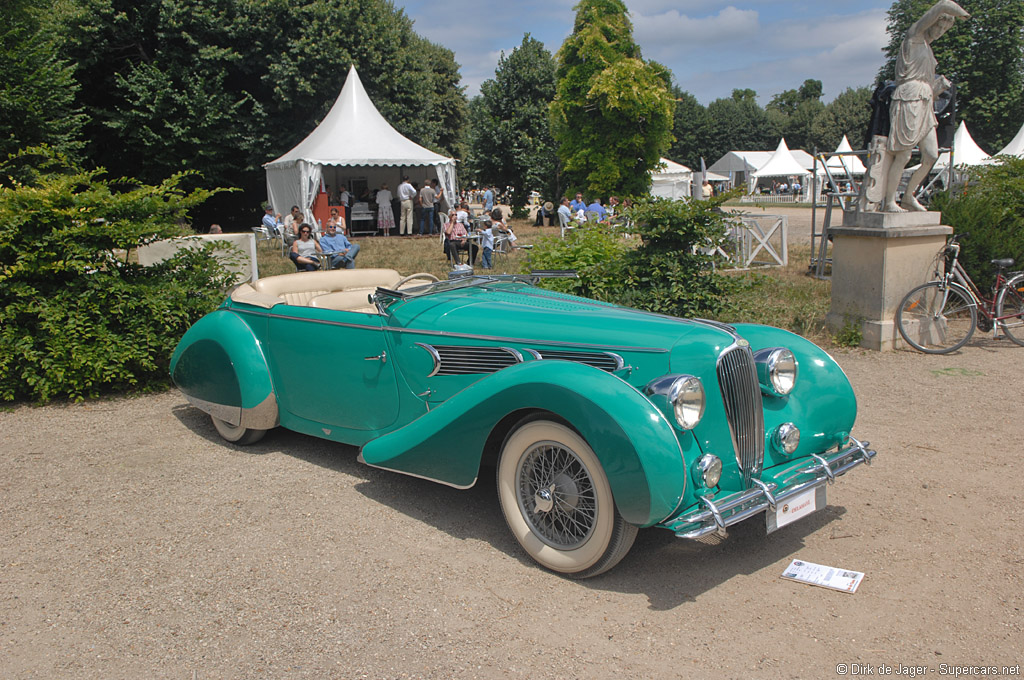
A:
557, 500
556, 495
1011, 304
936, 318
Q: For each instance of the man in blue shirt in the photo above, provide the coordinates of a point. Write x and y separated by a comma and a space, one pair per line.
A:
488, 200
596, 207
341, 251
273, 225
578, 204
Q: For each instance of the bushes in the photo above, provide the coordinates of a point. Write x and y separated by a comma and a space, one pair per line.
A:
666, 272
991, 210
77, 316
592, 251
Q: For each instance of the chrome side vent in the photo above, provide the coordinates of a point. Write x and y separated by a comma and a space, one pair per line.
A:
606, 361
737, 377
466, 360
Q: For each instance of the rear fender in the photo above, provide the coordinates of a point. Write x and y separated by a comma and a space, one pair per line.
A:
636, 445
220, 368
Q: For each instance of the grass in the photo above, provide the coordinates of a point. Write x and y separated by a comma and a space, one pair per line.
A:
413, 254
786, 297
780, 296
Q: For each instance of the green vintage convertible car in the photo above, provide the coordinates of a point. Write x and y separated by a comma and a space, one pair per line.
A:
599, 419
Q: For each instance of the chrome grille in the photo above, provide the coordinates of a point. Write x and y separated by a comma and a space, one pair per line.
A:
606, 361
737, 378
465, 360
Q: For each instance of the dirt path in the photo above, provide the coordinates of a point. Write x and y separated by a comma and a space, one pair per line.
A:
134, 543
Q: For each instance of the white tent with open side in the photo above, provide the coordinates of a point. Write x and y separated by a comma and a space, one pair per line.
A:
671, 180
781, 164
353, 135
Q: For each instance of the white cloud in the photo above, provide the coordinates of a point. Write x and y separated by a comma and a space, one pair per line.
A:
711, 46
674, 31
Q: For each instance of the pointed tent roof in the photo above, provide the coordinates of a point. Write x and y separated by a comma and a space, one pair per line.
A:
781, 164
965, 150
1016, 145
842, 164
669, 167
354, 133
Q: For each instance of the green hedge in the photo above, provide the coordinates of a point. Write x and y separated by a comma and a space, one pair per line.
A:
991, 210
78, 317
653, 260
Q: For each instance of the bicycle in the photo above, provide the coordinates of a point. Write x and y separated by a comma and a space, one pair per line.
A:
940, 316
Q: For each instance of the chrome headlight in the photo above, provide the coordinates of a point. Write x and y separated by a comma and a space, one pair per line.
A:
684, 394
707, 471
786, 438
776, 370
687, 398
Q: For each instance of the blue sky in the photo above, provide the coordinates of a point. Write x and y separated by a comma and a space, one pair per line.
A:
710, 46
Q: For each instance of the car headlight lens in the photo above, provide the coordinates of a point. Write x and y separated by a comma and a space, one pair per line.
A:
687, 398
684, 394
786, 437
707, 471
776, 370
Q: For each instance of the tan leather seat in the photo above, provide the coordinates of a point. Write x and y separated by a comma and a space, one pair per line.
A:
346, 301
302, 287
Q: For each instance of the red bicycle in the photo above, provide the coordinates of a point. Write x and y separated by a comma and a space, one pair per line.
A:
940, 316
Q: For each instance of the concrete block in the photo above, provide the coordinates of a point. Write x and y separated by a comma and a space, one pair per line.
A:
874, 266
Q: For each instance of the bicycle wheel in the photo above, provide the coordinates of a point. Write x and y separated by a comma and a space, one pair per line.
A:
1011, 302
936, 318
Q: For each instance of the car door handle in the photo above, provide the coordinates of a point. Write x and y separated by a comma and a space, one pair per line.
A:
382, 357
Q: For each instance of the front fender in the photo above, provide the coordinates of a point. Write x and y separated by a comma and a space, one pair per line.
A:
636, 445
220, 368
823, 403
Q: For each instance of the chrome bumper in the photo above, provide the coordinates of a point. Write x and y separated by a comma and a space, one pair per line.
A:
715, 514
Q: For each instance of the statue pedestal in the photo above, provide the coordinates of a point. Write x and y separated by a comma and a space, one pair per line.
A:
876, 259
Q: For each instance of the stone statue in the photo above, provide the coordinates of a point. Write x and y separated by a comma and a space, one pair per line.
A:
911, 113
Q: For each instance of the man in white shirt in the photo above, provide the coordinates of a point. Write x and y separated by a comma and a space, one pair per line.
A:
405, 194
564, 215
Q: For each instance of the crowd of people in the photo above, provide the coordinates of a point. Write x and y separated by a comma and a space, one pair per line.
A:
306, 248
312, 247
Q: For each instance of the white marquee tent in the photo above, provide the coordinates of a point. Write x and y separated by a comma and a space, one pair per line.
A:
841, 165
781, 164
965, 150
671, 180
352, 135
739, 165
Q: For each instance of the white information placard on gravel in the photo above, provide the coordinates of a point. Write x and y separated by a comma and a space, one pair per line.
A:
821, 575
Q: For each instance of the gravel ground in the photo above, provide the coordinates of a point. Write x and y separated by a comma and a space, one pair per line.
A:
134, 543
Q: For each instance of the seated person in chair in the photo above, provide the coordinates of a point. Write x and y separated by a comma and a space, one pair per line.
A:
455, 234
304, 250
341, 251
339, 221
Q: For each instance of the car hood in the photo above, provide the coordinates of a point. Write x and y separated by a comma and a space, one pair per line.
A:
523, 312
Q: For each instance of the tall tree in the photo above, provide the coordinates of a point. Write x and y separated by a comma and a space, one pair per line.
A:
612, 114
510, 138
37, 88
224, 86
738, 122
690, 128
848, 114
799, 108
983, 56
